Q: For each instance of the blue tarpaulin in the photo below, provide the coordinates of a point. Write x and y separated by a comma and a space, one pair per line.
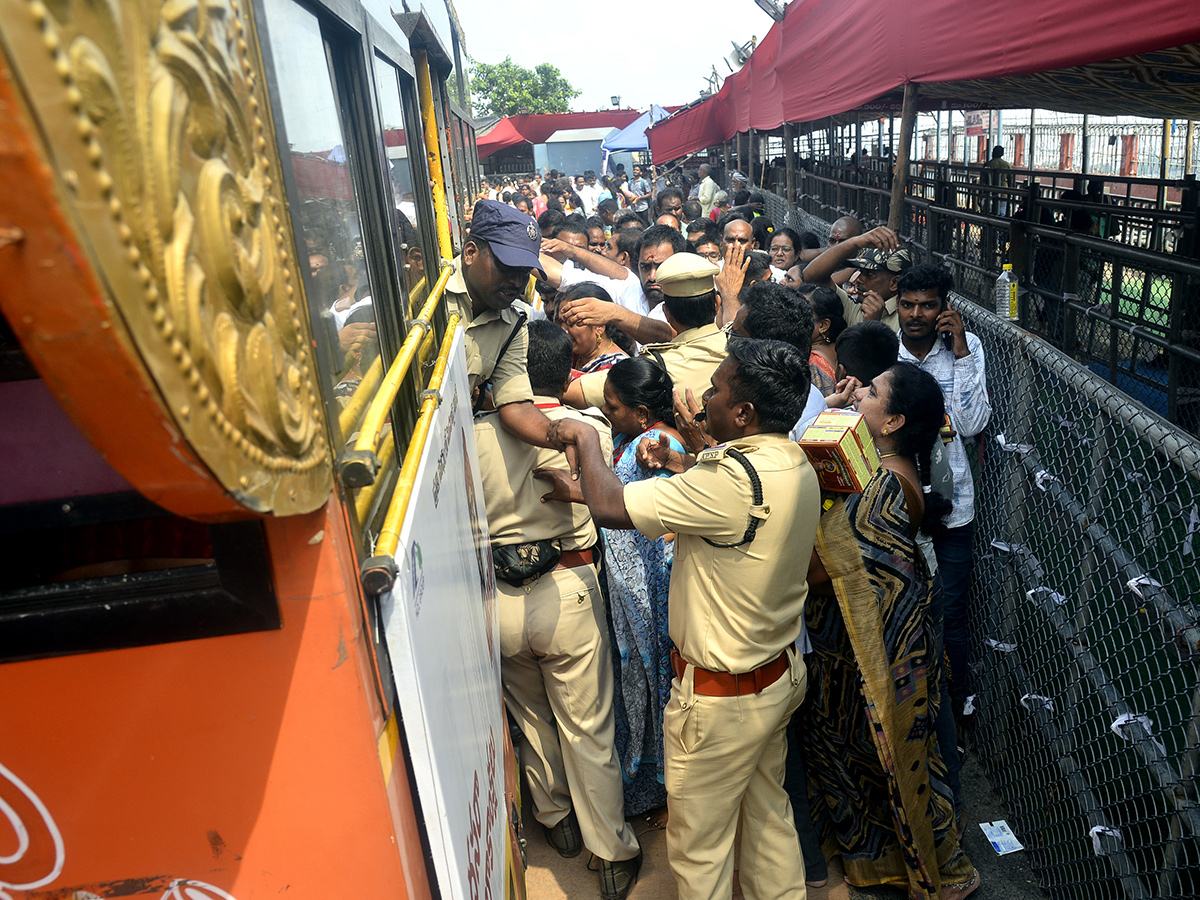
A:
633, 135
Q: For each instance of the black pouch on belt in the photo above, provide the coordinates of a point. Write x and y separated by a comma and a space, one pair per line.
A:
516, 564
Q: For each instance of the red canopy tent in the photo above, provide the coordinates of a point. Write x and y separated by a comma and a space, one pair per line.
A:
536, 128
829, 57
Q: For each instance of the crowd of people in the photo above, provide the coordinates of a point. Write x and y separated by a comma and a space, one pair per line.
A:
694, 635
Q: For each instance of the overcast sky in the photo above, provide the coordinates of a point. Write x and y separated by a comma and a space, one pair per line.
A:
603, 61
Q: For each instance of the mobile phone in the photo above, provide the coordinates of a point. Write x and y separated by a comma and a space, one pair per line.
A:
948, 337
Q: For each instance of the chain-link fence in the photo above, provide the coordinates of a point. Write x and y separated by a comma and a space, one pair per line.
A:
1085, 618
1085, 640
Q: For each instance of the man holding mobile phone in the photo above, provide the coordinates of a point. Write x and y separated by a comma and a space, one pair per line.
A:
932, 335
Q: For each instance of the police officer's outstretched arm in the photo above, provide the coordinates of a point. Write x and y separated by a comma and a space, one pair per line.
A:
602, 489
526, 421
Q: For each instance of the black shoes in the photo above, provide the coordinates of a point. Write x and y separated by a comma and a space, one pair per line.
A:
565, 837
618, 878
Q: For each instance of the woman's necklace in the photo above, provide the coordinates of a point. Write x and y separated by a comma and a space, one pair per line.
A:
888, 455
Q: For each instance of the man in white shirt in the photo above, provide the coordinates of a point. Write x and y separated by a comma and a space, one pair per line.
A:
708, 190
932, 336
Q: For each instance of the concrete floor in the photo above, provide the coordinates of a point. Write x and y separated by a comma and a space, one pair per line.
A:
1009, 877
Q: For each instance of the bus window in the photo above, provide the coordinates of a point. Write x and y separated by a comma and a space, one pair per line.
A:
403, 148
331, 231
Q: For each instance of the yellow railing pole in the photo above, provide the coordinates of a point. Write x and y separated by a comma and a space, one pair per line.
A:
352, 412
366, 495
357, 467
433, 150
414, 294
379, 572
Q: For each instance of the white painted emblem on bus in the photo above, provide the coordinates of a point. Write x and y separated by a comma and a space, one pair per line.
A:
21, 831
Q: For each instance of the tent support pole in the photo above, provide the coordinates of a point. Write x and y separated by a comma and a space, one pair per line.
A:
1163, 159
1189, 146
1086, 158
789, 161
908, 116
1032, 137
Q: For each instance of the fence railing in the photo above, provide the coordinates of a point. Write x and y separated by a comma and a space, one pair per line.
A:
1085, 627
1085, 620
1129, 314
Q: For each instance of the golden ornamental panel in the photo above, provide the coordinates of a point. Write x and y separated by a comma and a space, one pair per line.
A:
156, 122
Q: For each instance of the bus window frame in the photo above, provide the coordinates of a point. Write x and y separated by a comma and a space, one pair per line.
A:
352, 39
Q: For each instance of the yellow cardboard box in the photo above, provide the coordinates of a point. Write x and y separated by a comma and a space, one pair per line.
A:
833, 449
862, 434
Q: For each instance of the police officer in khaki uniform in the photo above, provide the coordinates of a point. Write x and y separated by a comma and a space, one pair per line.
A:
736, 604
877, 259
690, 302
490, 274
556, 664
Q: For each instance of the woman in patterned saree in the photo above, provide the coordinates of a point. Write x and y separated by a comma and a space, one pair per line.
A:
638, 404
874, 773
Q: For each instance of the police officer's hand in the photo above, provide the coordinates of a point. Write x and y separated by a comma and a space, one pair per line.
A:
843, 394
562, 486
694, 435
564, 435
872, 306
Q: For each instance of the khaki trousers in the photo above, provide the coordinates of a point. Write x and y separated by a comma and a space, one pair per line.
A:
725, 761
557, 668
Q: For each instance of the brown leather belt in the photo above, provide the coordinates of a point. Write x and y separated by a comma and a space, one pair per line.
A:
572, 558
727, 684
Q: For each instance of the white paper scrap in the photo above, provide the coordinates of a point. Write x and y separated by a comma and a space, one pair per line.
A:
1118, 728
1013, 448
1136, 584
1054, 595
1042, 479
1112, 840
1001, 837
969, 706
1000, 646
1008, 548
1029, 701
1193, 524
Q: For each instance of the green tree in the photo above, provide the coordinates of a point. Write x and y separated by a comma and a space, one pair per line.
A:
506, 89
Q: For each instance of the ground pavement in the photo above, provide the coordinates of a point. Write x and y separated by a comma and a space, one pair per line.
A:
1009, 877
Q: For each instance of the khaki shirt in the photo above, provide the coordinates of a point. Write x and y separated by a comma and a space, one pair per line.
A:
513, 497
734, 608
854, 314
691, 358
485, 335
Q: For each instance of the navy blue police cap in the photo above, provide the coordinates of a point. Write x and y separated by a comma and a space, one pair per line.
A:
513, 237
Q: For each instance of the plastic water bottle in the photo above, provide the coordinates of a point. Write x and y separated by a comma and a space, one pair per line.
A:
1006, 293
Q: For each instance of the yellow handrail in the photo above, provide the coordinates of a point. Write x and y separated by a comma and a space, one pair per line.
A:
389, 535
368, 435
433, 151
366, 495
352, 412
414, 294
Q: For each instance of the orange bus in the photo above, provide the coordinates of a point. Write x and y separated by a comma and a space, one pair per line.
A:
227, 382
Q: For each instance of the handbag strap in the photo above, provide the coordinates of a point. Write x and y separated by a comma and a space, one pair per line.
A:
521, 317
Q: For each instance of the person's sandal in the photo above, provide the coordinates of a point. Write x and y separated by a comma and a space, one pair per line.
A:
565, 836
618, 878
963, 888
